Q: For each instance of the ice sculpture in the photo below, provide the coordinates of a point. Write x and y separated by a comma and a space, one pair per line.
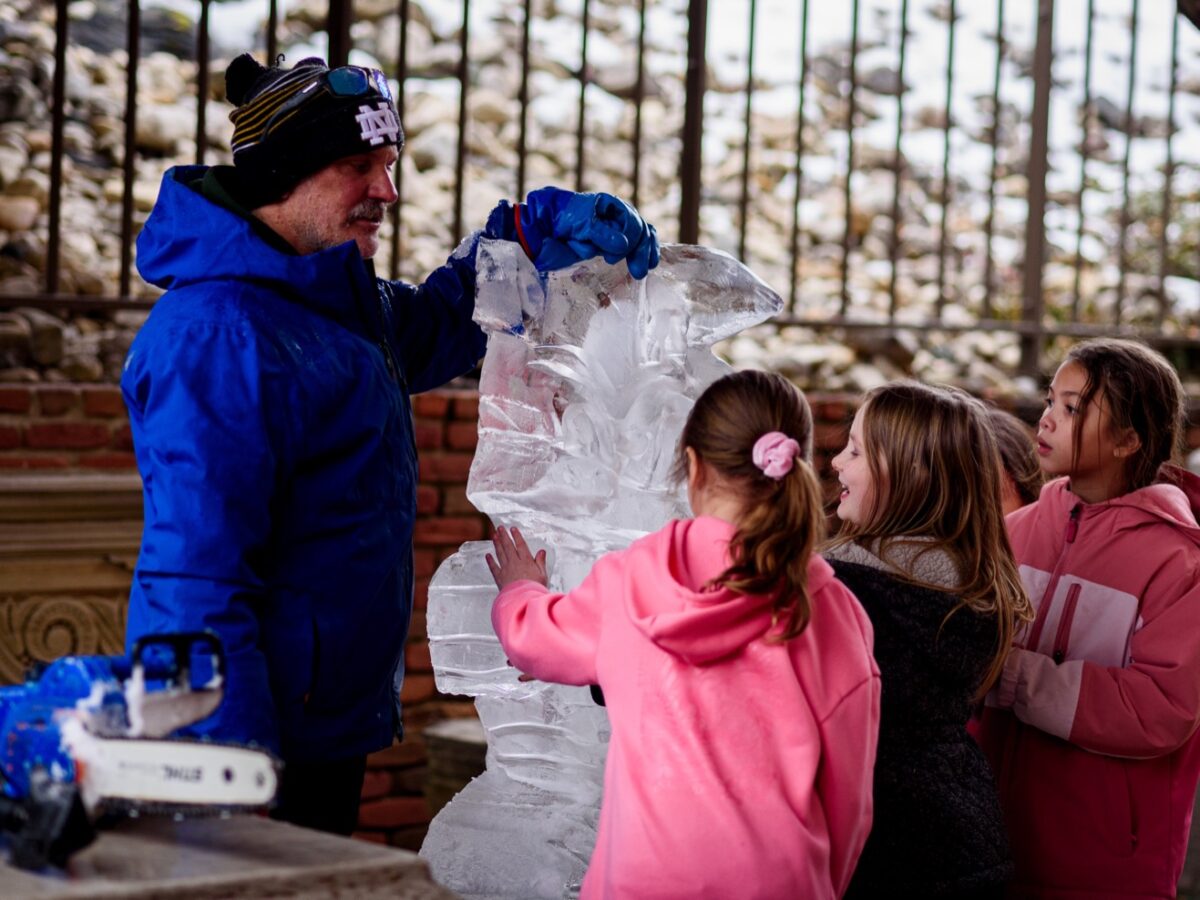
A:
588, 379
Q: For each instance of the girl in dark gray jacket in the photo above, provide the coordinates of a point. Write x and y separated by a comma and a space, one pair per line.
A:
923, 547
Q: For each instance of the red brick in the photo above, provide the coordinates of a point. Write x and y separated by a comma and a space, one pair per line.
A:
34, 462
455, 502
445, 466
416, 658
466, 407
417, 688
409, 838
428, 500
417, 629
829, 437
421, 593
462, 435
377, 783
54, 401
402, 754
451, 530
10, 436
16, 399
108, 461
67, 435
371, 837
1193, 438
431, 406
394, 812
831, 411
122, 437
103, 402
428, 435
424, 563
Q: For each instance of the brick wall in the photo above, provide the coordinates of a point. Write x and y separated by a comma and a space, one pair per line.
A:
64, 426
74, 429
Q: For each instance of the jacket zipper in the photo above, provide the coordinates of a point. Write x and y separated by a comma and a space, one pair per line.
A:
1035, 633
1064, 624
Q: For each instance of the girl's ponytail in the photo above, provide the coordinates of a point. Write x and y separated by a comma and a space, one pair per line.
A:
772, 546
755, 428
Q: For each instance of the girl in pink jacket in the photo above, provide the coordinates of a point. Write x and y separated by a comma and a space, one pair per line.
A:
1092, 730
743, 697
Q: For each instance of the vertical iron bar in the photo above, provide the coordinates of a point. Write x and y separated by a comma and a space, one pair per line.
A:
945, 198
272, 27
1123, 233
691, 157
1084, 150
523, 100
460, 161
639, 97
744, 198
133, 43
1033, 299
1168, 174
897, 167
798, 170
584, 78
401, 77
58, 116
337, 28
989, 265
851, 110
202, 83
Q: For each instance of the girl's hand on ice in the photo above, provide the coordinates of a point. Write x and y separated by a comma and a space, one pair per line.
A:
513, 560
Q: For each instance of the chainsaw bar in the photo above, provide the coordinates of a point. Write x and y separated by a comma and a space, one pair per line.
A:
170, 775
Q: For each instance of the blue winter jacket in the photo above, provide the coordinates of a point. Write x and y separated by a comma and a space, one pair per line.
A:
268, 395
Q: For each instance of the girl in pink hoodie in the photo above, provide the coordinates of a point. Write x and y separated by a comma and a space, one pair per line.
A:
1092, 730
743, 697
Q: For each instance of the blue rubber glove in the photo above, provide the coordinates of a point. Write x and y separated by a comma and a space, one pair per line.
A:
558, 228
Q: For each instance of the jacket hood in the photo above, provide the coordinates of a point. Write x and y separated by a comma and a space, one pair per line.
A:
189, 239
1174, 499
678, 614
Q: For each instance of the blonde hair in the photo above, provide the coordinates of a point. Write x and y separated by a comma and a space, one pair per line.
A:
782, 521
937, 473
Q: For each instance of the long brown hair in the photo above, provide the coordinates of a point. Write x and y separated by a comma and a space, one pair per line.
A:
782, 521
1143, 394
936, 468
1018, 453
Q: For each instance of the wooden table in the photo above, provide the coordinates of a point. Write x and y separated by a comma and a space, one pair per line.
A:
236, 857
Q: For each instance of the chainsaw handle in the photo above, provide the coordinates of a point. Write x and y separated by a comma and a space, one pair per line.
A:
176, 666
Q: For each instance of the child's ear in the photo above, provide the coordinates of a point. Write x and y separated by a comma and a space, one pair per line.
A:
1127, 444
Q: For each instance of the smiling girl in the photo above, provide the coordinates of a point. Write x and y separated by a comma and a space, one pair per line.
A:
923, 547
1092, 728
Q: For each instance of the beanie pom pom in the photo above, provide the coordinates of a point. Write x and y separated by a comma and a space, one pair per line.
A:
240, 78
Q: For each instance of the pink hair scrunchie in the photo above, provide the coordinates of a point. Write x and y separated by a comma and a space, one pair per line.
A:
775, 453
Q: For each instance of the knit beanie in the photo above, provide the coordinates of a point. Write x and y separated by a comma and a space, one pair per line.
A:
290, 123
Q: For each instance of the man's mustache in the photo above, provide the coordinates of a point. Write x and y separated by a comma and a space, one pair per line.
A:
371, 210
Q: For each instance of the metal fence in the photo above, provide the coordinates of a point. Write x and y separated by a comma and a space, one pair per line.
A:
1019, 201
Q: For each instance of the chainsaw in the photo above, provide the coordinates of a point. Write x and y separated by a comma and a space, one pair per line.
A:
87, 738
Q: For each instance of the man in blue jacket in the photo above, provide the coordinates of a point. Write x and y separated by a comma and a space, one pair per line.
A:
268, 394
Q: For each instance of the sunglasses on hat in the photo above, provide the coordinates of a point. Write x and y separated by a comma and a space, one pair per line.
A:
346, 81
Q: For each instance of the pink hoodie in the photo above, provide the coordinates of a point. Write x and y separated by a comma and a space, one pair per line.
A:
736, 767
1092, 731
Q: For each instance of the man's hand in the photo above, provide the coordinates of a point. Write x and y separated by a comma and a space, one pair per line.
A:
558, 228
513, 560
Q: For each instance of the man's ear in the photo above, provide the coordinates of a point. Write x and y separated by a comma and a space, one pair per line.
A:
1127, 444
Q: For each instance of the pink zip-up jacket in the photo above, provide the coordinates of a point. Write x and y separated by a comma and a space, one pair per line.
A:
1092, 731
736, 767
